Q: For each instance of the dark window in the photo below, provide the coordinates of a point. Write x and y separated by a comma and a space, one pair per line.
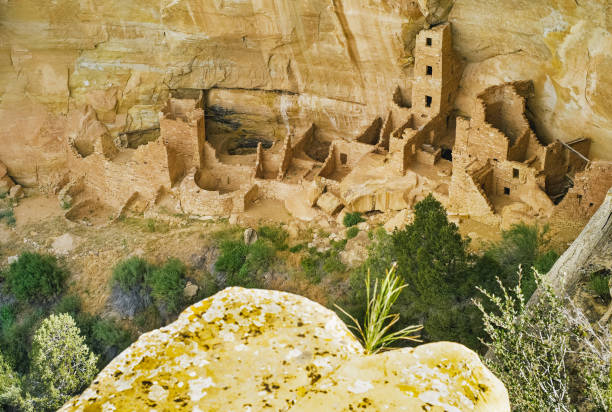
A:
447, 154
428, 100
343, 158
590, 204
579, 198
429, 70
515, 173
506, 190
428, 41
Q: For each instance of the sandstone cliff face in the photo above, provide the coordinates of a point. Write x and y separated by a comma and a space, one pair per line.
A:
272, 64
248, 349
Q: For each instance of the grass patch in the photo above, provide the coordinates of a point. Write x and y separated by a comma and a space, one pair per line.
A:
598, 284
351, 232
317, 265
275, 235
352, 219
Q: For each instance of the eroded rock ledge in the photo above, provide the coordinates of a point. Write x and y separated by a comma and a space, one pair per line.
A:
249, 349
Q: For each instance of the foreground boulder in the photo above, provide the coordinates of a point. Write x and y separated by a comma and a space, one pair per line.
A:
249, 349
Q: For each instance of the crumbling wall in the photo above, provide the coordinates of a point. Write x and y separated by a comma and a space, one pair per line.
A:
285, 158
372, 134
587, 194
329, 166
182, 129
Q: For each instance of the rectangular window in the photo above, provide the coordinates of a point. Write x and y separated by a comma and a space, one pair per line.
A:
428, 41
428, 101
429, 70
515, 173
506, 190
343, 158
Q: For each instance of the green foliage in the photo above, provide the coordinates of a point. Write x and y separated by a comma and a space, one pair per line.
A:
131, 273
35, 277
7, 317
352, 219
8, 216
70, 304
10, 386
523, 246
599, 284
243, 263
547, 354
148, 319
65, 204
62, 364
275, 235
167, 284
297, 248
352, 232
375, 332
107, 336
15, 340
317, 264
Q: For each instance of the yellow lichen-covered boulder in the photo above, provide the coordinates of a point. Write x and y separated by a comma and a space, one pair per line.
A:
249, 349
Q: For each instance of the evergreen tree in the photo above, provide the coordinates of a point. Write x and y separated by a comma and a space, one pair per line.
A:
62, 364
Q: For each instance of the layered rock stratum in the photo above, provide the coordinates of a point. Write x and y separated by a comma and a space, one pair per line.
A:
249, 350
269, 64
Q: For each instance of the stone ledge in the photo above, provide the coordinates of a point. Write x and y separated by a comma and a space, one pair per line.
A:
250, 349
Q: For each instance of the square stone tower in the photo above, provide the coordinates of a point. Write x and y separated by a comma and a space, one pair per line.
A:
436, 72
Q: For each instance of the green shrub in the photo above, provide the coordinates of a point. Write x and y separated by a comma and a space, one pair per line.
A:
243, 263
546, 353
108, 339
297, 248
525, 246
333, 264
232, 257
375, 332
167, 284
352, 232
7, 317
130, 292
275, 235
15, 341
70, 304
35, 276
62, 364
10, 387
598, 284
131, 273
148, 319
352, 219
318, 264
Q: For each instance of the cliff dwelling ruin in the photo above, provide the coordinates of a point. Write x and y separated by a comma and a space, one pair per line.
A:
487, 165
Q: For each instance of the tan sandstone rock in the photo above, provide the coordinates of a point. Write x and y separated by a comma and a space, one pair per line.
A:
329, 203
254, 349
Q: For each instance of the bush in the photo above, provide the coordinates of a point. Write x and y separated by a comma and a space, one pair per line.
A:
7, 317
537, 348
297, 248
352, 219
35, 277
242, 263
131, 273
130, 294
16, 339
10, 386
148, 319
318, 264
167, 284
352, 232
525, 246
108, 339
275, 235
598, 284
62, 364
70, 304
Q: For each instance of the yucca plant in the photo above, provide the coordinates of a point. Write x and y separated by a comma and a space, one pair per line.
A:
375, 332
